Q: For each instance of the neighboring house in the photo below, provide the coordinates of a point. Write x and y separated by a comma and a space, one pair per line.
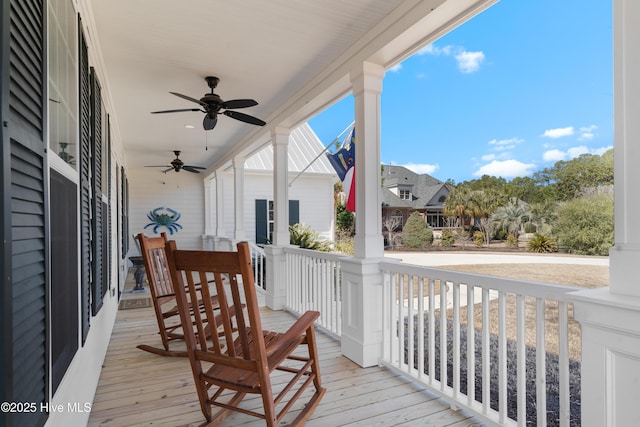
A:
404, 192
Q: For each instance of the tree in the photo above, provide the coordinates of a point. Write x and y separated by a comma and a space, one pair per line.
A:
390, 227
511, 217
482, 204
344, 220
416, 233
457, 204
585, 225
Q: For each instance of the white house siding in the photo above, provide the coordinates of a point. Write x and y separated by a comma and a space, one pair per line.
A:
313, 191
181, 191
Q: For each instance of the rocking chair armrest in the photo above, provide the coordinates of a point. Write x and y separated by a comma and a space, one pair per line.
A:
297, 330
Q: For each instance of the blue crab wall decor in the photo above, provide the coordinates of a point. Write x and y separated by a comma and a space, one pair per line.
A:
159, 219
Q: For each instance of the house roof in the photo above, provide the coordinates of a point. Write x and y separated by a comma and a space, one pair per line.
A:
424, 188
304, 148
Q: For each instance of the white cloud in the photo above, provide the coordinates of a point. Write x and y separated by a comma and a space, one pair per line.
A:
587, 133
396, 67
422, 168
505, 144
558, 132
573, 152
469, 62
554, 155
488, 157
506, 169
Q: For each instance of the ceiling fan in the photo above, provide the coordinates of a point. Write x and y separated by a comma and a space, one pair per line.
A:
212, 105
177, 164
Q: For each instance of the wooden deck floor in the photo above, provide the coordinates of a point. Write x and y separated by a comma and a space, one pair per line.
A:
141, 389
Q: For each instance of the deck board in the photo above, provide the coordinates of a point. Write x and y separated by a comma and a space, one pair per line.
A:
137, 388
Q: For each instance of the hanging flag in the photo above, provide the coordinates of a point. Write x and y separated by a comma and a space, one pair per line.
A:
344, 162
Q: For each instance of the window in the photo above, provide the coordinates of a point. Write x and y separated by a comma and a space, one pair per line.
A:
265, 219
405, 194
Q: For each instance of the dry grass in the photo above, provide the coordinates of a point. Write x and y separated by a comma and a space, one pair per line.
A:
583, 276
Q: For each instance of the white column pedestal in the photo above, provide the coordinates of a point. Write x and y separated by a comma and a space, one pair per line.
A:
362, 310
610, 357
276, 297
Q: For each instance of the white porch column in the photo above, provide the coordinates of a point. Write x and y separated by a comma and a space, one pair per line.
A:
207, 243
276, 261
361, 278
220, 203
238, 177
280, 141
610, 318
367, 86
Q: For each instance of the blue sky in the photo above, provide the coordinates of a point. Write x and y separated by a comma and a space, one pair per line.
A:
521, 86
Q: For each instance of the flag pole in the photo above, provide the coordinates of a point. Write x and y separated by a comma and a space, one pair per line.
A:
336, 139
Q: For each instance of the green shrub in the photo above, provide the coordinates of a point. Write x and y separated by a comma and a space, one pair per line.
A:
344, 219
542, 244
416, 233
512, 240
303, 236
448, 239
585, 225
478, 238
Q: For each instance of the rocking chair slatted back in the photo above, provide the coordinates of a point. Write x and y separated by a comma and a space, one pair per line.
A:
153, 251
242, 358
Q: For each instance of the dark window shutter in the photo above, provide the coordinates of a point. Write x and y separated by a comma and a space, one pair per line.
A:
125, 212
24, 337
85, 184
261, 221
294, 212
108, 234
64, 275
96, 194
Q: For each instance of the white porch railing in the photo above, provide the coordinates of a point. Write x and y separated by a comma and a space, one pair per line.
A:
314, 282
508, 355
258, 257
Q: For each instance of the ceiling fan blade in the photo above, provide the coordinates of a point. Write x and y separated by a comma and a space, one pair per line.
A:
244, 118
239, 103
209, 122
193, 167
167, 170
190, 169
188, 98
163, 166
180, 110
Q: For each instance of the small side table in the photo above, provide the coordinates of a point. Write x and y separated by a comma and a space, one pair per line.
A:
138, 274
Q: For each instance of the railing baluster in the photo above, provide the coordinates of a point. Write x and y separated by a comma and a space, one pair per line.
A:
421, 327
410, 325
521, 344
443, 335
486, 354
456, 339
563, 361
502, 357
541, 370
471, 347
432, 332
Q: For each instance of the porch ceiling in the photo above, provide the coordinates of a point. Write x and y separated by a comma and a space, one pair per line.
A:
292, 56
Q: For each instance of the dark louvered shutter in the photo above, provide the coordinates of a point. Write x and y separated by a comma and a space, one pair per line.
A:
125, 212
108, 235
261, 222
294, 212
85, 184
23, 230
96, 193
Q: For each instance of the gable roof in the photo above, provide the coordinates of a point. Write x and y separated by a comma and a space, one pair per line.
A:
304, 146
424, 188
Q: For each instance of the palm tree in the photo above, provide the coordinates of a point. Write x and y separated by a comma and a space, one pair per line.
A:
482, 204
511, 217
457, 204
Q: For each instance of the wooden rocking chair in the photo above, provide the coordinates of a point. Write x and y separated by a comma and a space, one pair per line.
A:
240, 361
162, 295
